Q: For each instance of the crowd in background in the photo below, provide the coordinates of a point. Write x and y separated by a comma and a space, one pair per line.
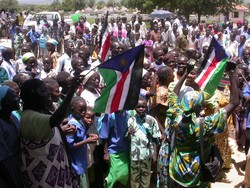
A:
52, 137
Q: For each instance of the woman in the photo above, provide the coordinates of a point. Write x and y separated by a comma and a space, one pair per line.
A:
91, 87
183, 119
44, 156
10, 162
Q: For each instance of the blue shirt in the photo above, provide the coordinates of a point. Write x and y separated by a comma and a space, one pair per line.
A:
78, 155
33, 36
240, 50
113, 128
246, 93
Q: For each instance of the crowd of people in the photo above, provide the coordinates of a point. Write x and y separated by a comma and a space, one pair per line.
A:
51, 137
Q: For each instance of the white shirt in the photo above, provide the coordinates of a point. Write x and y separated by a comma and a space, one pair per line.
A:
64, 64
89, 97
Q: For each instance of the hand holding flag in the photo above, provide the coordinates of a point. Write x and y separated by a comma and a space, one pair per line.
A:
122, 75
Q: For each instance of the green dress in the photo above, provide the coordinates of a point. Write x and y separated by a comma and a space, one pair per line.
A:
184, 160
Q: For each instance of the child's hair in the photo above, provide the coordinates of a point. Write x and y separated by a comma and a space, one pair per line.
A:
61, 78
75, 101
163, 73
142, 99
89, 109
19, 79
50, 81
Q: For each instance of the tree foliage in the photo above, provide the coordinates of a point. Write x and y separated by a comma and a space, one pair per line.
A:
10, 5
91, 3
100, 5
56, 5
185, 7
69, 5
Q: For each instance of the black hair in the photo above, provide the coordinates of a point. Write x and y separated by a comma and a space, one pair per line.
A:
163, 73
7, 53
50, 81
155, 52
18, 79
61, 78
31, 99
76, 100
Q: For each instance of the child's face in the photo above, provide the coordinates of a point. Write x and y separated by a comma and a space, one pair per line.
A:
89, 118
141, 108
80, 108
32, 63
47, 63
55, 92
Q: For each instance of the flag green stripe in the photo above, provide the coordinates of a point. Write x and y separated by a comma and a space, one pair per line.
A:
110, 78
215, 78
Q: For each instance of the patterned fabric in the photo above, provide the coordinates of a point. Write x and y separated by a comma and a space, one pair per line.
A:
162, 95
140, 173
141, 144
190, 100
184, 162
44, 161
18, 40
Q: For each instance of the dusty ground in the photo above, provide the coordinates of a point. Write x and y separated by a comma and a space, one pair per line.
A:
233, 177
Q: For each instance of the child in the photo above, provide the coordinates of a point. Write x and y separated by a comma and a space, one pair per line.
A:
112, 131
47, 71
18, 40
138, 39
78, 141
43, 42
143, 132
89, 122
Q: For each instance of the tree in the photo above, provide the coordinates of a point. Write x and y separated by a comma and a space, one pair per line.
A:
203, 7
110, 3
91, 3
55, 5
10, 5
69, 5
100, 5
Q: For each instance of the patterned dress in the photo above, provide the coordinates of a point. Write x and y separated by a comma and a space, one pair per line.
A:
44, 158
182, 165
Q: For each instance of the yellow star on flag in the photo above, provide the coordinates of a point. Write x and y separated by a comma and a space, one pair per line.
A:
123, 62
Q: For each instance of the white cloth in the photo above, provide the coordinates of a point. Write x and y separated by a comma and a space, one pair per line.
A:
64, 64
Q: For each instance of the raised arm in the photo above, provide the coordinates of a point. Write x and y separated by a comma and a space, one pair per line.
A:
58, 116
234, 90
178, 86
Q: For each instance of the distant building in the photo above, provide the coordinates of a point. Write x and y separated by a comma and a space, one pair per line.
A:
237, 14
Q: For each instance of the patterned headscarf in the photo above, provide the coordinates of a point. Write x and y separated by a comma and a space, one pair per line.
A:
190, 100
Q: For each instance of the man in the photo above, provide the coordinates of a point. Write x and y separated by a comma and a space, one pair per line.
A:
64, 62
143, 27
168, 36
130, 36
205, 40
182, 41
33, 35
232, 45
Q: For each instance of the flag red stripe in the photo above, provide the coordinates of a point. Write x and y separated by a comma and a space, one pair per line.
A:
105, 47
118, 93
211, 67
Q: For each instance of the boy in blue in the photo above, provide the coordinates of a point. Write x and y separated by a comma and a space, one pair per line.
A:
78, 141
112, 131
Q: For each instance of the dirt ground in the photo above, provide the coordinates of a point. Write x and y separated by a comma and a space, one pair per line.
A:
233, 177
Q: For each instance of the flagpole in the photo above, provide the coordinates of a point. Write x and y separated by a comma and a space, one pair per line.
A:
104, 26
